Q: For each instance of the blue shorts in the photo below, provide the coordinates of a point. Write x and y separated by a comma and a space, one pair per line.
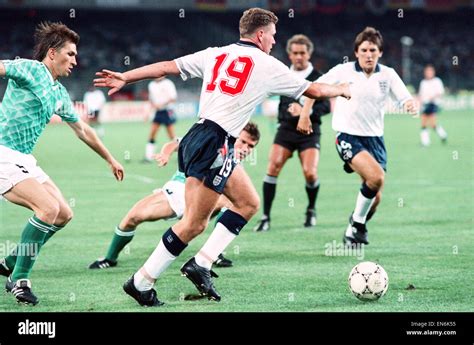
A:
349, 145
164, 117
430, 109
207, 152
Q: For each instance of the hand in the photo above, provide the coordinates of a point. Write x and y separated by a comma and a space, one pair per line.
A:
304, 125
113, 80
295, 109
411, 107
117, 170
161, 159
346, 92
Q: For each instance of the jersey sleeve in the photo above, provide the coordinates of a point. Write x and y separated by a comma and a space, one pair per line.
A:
193, 65
22, 71
398, 90
333, 76
284, 83
66, 110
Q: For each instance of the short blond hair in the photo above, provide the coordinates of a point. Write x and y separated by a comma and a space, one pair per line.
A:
300, 39
255, 18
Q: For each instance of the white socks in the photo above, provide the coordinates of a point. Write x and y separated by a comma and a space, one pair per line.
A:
156, 264
441, 132
362, 208
215, 245
425, 137
149, 151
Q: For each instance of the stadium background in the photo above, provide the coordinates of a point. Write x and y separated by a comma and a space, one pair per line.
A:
422, 234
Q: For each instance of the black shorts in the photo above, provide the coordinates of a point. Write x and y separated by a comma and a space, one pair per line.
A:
430, 109
164, 117
293, 140
349, 145
207, 152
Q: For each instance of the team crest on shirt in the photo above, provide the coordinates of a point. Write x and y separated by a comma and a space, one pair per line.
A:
217, 180
383, 84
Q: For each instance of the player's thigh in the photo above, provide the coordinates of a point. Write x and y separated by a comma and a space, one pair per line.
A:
277, 159
366, 166
55, 192
152, 207
425, 120
31, 194
241, 192
309, 159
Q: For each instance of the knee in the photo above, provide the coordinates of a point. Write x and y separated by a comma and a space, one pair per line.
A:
310, 174
274, 167
376, 182
64, 217
49, 212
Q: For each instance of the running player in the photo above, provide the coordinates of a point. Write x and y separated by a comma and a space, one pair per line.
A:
431, 90
168, 202
32, 96
236, 78
359, 124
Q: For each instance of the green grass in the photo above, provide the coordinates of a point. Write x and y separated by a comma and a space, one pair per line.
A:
422, 233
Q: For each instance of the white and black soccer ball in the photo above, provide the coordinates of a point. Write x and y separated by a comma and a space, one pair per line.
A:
368, 281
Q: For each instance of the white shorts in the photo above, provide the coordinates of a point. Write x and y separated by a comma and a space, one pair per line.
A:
16, 167
174, 192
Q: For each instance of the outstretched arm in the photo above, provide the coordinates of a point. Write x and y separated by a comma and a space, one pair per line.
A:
88, 136
2, 69
166, 151
115, 80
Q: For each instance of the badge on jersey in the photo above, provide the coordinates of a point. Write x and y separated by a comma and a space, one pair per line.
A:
383, 84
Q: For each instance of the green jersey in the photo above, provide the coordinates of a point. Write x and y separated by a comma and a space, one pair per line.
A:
31, 99
179, 176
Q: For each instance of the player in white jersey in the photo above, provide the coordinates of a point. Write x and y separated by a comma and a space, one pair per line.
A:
359, 123
430, 92
94, 100
236, 78
168, 202
161, 93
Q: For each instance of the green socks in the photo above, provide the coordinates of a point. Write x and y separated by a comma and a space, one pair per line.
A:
119, 241
27, 251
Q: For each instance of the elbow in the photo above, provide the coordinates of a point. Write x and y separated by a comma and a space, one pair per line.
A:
315, 92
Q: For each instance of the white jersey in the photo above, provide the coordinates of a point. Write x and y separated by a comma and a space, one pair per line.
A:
363, 114
431, 90
236, 78
162, 92
94, 100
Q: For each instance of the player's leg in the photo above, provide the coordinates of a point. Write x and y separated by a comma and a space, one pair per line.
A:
200, 201
151, 208
277, 159
171, 132
32, 195
309, 159
371, 172
425, 134
150, 146
223, 204
442, 134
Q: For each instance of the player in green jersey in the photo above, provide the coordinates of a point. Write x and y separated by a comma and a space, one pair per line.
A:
32, 96
168, 201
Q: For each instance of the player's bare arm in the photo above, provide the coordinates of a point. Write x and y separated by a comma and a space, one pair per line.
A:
116, 80
2, 69
411, 107
88, 136
163, 157
304, 123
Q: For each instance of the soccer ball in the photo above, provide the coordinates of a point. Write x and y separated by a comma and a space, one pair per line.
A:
368, 281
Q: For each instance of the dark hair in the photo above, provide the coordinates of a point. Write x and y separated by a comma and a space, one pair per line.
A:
369, 34
255, 18
52, 35
252, 129
300, 39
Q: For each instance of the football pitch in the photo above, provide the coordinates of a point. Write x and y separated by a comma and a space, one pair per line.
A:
422, 233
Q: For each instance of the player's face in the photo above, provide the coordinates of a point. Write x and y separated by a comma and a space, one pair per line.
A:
368, 55
267, 37
429, 73
299, 56
244, 145
64, 60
